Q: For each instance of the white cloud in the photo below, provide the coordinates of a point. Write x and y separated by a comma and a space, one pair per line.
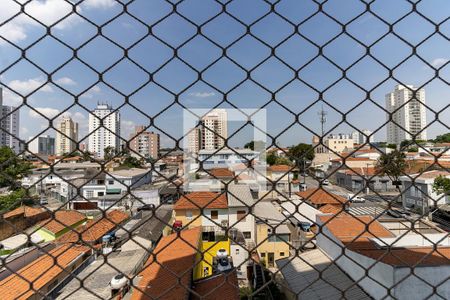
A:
103, 4
437, 62
46, 111
13, 32
127, 128
65, 81
27, 86
10, 98
93, 90
203, 94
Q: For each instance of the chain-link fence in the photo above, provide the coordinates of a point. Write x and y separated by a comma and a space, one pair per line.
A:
259, 195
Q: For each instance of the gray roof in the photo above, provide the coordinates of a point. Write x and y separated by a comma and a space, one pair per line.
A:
304, 278
239, 195
265, 210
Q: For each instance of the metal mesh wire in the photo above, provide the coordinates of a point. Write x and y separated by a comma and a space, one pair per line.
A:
205, 20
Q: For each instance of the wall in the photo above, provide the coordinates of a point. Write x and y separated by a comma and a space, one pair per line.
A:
180, 214
206, 221
209, 250
240, 257
266, 246
247, 225
17, 224
355, 265
414, 288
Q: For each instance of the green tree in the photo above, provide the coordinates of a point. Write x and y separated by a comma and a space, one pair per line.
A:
12, 168
441, 185
444, 138
392, 165
12, 200
391, 146
87, 156
109, 153
301, 155
271, 159
255, 144
132, 162
282, 161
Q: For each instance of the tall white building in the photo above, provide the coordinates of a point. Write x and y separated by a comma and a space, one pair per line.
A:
408, 114
104, 130
66, 136
10, 123
211, 133
361, 137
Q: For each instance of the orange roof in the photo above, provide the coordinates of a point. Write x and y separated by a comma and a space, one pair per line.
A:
280, 168
40, 272
331, 209
352, 231
221, 286
24, 210
371, 171
221, 172
424, 256
319, 196
175, 259
95, 229
61, 220
195, 200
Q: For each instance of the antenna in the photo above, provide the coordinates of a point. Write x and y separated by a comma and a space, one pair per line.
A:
322, 117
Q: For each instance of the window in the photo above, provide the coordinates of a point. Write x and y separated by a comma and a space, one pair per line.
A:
247, 234
241, 215
89, 194
205, 271
110, 181
281, 253
263, 254
214, 215
189, 214
279, 238
100, 194
237, 251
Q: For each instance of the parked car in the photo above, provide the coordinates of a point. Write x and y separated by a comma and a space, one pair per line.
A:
303, 187
356, 199
325, 182
146, 207
43, 201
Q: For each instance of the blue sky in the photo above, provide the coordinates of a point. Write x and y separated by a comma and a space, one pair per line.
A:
274, 79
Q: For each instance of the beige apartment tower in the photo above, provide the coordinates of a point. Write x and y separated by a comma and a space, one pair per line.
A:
66, 136
144, 143
211, 132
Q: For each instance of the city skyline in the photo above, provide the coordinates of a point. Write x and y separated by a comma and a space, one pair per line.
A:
176, 78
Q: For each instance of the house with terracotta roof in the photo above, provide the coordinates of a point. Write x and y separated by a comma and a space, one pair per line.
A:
44, 274
19, 219
418, 193
360, 243
201, 209
319, 197
93, 230
61, 222
281, 175
172, 274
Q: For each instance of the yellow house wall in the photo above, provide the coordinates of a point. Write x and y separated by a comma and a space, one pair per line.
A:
209, 249
180, 215
266, 246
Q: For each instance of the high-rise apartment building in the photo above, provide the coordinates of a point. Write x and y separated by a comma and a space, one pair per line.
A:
66, 136
43, 145
211, 132
408, 114
144, 143
361, 137
11, 125
104, 129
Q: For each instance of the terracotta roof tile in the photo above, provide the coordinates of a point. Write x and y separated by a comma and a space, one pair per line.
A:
360, 171
425, 256
95, 229
331, 209
280, 168
203, 200
221, 172
39, 272
221, 286
175, 257
61, 220
27, 211
319, 196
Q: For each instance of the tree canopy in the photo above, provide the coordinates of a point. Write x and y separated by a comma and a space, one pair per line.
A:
12, 168
392, 164
255, 145
301, 154
443, 138
441, 185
